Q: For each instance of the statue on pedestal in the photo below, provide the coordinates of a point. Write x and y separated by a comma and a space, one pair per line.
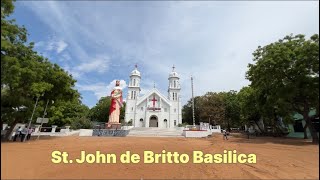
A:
116, 104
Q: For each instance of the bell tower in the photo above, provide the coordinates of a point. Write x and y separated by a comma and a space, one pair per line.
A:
175, 98
133, 95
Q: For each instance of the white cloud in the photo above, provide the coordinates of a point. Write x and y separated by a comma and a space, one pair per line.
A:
100, 65
102, 89
213, 40
39, 44
60, 46
56, 45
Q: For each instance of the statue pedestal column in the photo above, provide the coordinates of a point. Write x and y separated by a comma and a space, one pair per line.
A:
113, 125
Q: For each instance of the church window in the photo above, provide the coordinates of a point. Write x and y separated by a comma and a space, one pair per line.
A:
172, 96
134, 82
175, 110
134, 94
175, 122
165, 120
132, 109
131, 94
174, 84
141, 119
141, 108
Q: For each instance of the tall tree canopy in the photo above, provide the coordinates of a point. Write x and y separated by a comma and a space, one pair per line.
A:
25, 75
286, 77
216, 108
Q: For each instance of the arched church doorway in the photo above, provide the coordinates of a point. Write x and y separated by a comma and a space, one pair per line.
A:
153, 121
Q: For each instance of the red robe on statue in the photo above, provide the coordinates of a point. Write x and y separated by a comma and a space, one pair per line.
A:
116, 104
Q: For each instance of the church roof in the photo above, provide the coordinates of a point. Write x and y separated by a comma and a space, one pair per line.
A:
153, 91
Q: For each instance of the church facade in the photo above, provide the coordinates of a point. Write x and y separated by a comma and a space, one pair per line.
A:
153, 109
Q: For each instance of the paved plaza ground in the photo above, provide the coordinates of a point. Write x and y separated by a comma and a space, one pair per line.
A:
277, 158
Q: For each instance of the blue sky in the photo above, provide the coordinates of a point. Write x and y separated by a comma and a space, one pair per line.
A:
100, 41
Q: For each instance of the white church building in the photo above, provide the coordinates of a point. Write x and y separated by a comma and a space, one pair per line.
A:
153, 109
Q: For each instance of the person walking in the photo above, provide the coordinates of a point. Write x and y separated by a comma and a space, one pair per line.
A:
30, 131
225, 135
18, 133
24, 132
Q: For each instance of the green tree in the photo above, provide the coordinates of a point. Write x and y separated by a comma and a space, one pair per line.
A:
25, 75
249, 107
81, 123
213, 106
100, 112
187, 116
65, 112
232, 109
286, 77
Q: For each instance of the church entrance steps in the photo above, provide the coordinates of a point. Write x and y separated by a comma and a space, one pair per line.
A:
155, 132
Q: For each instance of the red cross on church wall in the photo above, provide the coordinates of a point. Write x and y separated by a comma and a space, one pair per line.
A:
154, 102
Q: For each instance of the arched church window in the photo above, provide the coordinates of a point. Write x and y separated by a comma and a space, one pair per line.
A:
172, 96
134, 82
131, 94
165, 120
141, 119
174, 84
175, 122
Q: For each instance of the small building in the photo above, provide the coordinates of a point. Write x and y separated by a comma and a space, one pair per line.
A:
296, 129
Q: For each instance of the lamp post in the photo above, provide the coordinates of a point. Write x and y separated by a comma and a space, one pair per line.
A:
34, 108
193, 120
44, 113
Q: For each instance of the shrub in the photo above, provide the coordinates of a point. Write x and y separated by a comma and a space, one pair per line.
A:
129, 123
81, 123
183, 124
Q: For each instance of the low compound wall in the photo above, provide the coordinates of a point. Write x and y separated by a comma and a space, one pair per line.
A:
196, 134
110, 132
86, 132
127, 127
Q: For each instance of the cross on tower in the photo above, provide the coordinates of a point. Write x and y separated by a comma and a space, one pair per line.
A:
173, 68
136, 66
